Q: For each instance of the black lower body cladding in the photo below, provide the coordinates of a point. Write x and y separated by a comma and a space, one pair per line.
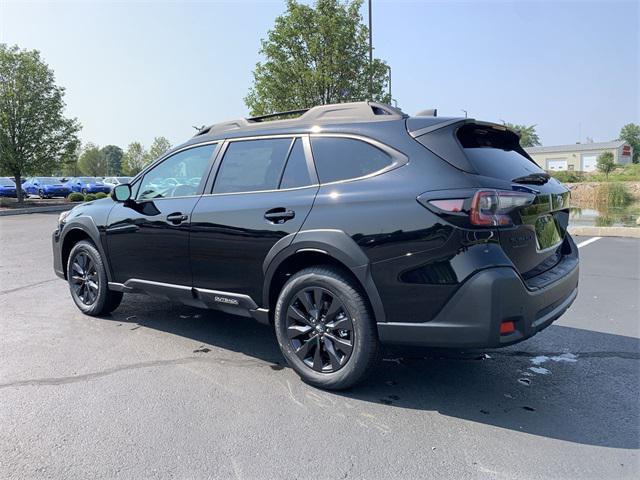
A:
473, 315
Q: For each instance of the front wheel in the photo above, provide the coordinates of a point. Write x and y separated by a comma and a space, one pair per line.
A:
87, 278
325, 329
41, 194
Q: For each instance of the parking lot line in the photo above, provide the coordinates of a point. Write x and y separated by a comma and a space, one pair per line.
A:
587, 242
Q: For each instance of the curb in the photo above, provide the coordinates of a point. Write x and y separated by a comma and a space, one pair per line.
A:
23, 211
627, 232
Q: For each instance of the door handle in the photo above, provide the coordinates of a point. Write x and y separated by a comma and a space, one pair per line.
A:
279, 215
177, 218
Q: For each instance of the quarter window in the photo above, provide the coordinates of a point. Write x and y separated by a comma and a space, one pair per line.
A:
252, 165
345, 158
178, 175
296, 173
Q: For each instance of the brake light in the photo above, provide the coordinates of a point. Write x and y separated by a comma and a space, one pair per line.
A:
491, 207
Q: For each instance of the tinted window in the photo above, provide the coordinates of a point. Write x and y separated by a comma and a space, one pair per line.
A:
344, 158
495, 153
5, 182
48, 181
177, 176
296, 173
252, 165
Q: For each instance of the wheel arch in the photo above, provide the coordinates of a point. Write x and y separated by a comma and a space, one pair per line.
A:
82, 228
319, 247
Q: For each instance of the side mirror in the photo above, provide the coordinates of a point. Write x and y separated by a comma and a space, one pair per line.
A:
121, 193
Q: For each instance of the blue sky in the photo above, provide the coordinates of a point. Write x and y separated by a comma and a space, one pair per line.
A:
135, 70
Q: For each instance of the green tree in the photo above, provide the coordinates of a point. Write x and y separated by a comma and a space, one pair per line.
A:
92, 161
158, 148
528, 135
134, 159
606, 163
35, 136
316, 55
113, 154
631, 134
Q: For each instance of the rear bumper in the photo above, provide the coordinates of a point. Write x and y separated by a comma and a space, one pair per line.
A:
472, 317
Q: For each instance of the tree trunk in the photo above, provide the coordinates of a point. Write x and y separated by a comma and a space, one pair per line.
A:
19, 192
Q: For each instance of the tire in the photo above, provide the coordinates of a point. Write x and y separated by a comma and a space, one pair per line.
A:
41, 194
88, 283
318, 349
83, 191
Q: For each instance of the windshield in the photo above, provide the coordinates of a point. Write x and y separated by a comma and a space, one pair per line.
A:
47, 181
6, 182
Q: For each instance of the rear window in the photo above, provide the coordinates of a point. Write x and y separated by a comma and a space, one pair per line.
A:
495, 153
345, 158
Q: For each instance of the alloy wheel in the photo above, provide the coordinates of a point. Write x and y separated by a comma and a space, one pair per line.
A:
84, 278
320, 329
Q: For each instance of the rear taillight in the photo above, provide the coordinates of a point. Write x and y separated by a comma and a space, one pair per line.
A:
480, 208
491, 208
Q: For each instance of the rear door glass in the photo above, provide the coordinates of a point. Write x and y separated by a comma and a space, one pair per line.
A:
252, 165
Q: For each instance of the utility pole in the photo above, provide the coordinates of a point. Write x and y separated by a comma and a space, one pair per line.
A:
370, 55
390, 96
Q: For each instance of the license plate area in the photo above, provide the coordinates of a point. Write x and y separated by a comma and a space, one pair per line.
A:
547, 232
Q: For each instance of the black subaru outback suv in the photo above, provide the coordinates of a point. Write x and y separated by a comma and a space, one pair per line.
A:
348, 226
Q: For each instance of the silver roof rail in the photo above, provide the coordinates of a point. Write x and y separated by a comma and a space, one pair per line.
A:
343, 112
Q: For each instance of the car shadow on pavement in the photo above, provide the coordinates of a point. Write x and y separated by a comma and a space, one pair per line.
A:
566, 383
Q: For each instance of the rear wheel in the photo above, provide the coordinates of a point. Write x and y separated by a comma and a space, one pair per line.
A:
325, 329
41, 194
84, 191
87, 278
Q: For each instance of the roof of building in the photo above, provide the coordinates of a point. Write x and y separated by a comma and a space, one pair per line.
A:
576, 147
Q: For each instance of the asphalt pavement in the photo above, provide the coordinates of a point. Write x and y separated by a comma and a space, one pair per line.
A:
160, 390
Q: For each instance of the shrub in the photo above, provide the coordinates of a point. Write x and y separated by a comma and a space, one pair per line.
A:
568, 176
90, 197
613, 194
101, 195
606, 164
75, 197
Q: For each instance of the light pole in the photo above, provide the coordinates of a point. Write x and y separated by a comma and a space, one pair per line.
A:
390, 96
370, 55
465, 112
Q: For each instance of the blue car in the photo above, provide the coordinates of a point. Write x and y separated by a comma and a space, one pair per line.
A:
88, 185
7, 187
45, 187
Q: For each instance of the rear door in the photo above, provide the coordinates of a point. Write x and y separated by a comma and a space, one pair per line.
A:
263, 191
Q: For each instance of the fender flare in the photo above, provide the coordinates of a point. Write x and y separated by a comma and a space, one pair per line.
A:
333, 243
87, 226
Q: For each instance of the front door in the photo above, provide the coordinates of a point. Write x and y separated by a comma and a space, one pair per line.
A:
148, 238
263, 191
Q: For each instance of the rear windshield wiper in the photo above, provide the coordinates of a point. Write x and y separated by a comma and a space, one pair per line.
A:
533, 178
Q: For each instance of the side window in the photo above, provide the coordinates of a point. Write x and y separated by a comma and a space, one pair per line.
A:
344, 158
296, 173
252, 165
177, 176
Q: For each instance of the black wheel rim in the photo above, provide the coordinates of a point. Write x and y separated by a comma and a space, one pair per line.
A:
84, 278
320, 329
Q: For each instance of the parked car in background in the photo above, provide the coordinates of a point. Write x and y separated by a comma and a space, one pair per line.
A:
88, 185
7, 187
113, 181
45, 187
